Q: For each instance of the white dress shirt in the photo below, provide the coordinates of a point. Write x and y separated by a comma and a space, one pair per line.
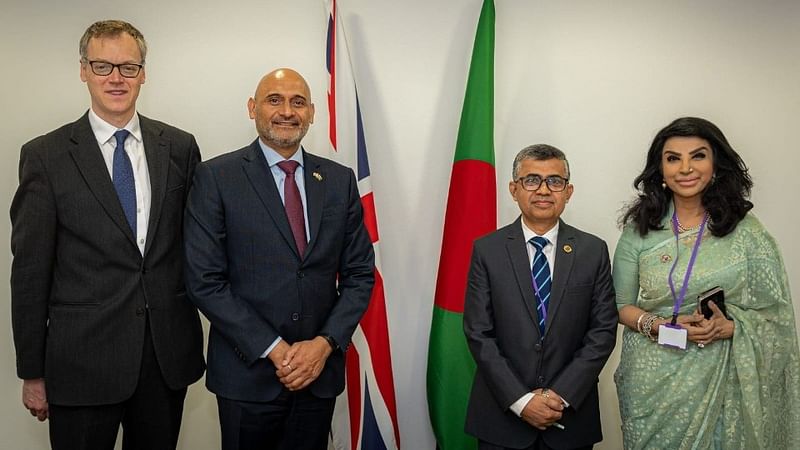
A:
134, 147
549, 250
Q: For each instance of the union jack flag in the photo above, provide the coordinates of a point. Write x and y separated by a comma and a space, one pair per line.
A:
365, 416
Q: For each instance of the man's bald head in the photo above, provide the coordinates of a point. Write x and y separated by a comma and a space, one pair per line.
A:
282, 76
282, 110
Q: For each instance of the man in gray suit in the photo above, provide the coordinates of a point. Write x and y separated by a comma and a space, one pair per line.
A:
539, 318
103, 330
279, 260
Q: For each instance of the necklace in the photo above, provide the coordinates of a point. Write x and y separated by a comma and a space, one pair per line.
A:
683, 229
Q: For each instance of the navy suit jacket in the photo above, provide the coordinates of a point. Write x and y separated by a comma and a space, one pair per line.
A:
244, 273
501, 326
79, 285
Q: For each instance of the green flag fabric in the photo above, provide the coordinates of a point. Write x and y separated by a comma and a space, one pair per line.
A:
471, 213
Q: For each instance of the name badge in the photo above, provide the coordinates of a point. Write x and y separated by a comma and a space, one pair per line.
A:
672, 336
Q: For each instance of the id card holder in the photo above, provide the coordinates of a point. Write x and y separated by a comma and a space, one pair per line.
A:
672, 336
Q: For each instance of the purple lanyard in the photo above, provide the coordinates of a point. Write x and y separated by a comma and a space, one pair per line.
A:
679, 299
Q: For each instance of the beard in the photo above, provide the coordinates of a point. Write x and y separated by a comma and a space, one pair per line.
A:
276, 140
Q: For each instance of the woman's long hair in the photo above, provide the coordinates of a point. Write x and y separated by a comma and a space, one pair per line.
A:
725, 198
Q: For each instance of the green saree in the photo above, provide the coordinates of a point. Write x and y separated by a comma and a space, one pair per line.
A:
739, 393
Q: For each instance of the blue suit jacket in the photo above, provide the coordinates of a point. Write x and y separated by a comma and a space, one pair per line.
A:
243, 271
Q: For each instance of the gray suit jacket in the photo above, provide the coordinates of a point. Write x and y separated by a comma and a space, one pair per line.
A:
80, 286
244, 273
500, 322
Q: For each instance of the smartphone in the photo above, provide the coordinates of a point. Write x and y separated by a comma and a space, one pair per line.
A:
715, 294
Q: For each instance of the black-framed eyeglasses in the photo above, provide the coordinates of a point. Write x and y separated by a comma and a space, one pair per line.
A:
554, 182
104, 68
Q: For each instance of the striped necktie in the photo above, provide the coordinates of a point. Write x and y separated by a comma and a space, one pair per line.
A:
542, 281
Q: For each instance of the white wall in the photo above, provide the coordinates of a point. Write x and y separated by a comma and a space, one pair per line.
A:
596, 79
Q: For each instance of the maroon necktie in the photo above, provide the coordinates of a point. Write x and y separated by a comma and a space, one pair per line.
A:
294, 205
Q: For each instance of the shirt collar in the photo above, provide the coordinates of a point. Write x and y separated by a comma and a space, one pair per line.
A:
274, 157
104, 131
551, 235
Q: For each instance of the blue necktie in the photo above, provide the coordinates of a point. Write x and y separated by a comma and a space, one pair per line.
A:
123, 179
542, 280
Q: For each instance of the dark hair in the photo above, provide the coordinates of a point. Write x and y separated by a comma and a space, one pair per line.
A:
725, 198
538, 152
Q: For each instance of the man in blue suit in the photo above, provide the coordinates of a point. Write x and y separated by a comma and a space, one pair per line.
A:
278, 259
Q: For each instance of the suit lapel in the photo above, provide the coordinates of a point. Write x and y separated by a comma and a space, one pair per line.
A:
315, 195
259, 175
157, 152
564, 259
518, 253
89, 159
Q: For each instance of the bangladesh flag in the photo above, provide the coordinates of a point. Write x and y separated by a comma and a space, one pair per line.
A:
471, 213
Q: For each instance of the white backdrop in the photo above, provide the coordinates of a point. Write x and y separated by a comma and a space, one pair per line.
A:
597, 80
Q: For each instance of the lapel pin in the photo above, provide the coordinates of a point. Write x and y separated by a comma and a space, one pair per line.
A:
567, 248
317, 176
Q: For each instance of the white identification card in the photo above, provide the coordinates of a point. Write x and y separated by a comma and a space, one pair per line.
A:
672, 336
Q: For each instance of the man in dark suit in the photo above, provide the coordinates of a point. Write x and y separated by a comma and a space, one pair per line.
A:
103, 330
278, 259
539, 318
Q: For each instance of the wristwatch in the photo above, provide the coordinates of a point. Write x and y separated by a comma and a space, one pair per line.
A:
331, 341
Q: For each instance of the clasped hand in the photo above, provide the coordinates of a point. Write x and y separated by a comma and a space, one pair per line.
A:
301, 363
544, 409
705, 331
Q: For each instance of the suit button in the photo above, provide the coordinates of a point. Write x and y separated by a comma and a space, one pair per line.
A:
295, 317
144, 270
300, 274
541, 379
139, 311
537, 347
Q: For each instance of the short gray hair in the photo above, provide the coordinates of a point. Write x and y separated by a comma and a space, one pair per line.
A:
111, 28
538, 152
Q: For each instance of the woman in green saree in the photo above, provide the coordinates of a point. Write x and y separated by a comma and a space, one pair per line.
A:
736, 382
